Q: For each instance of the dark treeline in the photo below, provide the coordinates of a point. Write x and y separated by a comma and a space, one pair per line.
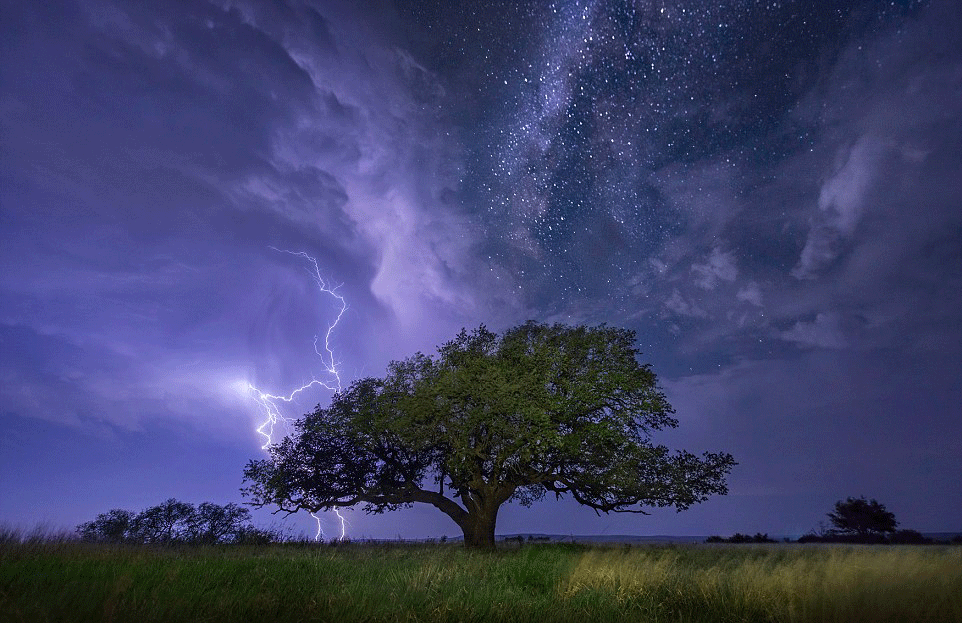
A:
174, 521
854, 520
738, 537
897, 537
858, 520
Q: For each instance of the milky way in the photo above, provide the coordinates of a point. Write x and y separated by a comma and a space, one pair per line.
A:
602, 104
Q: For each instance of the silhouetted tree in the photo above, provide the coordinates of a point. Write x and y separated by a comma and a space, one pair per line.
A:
493, 418
865, 518
173, 521
213, 523
112, 526
169, 521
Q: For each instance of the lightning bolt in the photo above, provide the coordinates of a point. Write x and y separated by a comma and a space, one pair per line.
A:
331, 376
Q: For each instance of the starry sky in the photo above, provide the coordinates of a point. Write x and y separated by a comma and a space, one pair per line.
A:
768, 192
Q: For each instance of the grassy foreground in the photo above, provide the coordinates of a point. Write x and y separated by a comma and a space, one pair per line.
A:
82, 582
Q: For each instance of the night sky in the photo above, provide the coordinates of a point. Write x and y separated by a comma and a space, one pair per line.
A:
769, 193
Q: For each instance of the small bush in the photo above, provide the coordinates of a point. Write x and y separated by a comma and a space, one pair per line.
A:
908, 537
738, 537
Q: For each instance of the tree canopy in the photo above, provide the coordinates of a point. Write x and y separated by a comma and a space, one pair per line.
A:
491, 419
858, 516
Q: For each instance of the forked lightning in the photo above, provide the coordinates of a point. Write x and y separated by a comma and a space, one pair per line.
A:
331, 376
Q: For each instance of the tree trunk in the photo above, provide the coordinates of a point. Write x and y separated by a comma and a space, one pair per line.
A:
478, 528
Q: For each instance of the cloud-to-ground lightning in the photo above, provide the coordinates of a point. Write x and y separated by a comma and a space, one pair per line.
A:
331, 376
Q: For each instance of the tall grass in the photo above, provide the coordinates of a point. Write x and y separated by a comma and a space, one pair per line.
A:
778, 583
68, 581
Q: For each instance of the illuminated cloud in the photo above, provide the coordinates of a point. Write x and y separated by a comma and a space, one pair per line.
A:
720, 266
823, 332
841, 203
750, 293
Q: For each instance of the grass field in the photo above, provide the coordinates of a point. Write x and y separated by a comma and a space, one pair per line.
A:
70, 581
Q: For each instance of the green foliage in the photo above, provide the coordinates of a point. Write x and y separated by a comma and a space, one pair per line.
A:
70, 582
173, 521
493, 418
858, 516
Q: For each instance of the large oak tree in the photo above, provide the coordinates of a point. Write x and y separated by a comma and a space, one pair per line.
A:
492, 419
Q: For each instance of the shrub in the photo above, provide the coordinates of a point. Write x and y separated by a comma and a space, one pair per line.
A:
908, 537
